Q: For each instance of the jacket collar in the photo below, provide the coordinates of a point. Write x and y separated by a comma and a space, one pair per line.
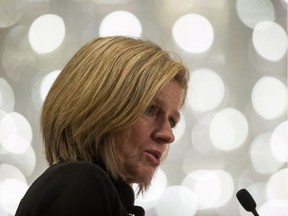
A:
125, 192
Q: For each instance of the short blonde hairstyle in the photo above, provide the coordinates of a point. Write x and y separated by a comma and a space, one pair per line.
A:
104, 88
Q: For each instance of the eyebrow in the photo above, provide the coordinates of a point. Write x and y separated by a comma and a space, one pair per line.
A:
174, 114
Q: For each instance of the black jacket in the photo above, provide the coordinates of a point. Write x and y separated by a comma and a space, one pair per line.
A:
78, 188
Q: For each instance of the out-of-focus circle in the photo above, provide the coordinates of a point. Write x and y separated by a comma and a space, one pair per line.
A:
47, 82
179, 129
15, 133
10, 12
174, 7
26, 162
206, 90
273, 208
200, 138
3, 212
284, 3
15, 144
212, 188
250, 12
193, 33
2, 114
279, 142
276, 186
7, 98
11, 192
206, 186
269, 97
270, 40
227, 188
158, 185
261, 155
115, 2
18, 58
47, 33
120, 23
9, 171
175, 201
228, 129
215, 4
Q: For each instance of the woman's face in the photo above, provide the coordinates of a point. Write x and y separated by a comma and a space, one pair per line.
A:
145, 141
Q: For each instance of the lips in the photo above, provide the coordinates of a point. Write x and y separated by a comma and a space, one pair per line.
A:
154, 156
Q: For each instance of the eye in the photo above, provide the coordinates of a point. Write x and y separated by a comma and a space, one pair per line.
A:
172, 122
151, 110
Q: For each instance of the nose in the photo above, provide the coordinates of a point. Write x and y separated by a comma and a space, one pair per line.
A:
163, 134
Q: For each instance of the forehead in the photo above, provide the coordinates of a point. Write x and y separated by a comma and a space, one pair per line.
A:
170, 96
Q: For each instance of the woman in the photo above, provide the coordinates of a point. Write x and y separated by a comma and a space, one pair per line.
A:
106, 124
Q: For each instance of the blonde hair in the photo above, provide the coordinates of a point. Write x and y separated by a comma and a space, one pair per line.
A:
105, 87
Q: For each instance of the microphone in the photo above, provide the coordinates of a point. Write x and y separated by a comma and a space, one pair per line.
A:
247, 201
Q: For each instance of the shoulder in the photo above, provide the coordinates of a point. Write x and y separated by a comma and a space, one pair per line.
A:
77, 176
75, 168
72, 188
80, 174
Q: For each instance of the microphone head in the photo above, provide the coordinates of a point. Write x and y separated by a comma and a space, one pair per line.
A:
246, 200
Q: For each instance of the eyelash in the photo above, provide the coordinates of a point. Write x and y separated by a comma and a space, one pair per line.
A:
152, 110
172, 123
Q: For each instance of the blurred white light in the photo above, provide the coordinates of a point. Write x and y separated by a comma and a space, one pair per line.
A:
200, 135
206, 186
273, 208
158, 185
213, 188
15, 133
25, 162
120, 23
176, 149
9, 171
11, 192
270, 40
3, 212
15, 144
226, 188
7, 98
179, 129
261, 155
215, 4
279, 142
46, 33
175, 201
250, 12
109, 1
47, 82
174, 7
2, 114
269, 97
277, 185
228, 129
10, 12
206, 90
193, 33
18, 58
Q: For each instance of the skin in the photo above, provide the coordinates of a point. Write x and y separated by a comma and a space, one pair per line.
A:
144, 143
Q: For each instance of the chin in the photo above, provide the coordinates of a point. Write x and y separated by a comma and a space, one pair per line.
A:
142, 176
147, 177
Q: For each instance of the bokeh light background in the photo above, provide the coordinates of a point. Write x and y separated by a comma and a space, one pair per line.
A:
233, 132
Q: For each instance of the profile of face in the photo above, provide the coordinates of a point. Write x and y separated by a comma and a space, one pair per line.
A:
143, 144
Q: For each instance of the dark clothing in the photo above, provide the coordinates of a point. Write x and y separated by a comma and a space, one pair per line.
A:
78, 188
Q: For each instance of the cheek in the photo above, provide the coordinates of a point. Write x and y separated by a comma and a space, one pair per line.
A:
132, 139
127, 142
